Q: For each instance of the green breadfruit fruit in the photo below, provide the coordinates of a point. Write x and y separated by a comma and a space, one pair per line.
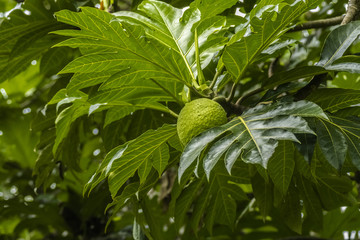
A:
198, 116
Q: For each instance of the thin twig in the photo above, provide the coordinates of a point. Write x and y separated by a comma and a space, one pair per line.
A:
321, 23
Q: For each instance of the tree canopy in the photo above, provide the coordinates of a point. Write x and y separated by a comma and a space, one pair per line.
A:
90, 93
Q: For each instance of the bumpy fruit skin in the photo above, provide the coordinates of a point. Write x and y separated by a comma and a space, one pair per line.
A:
198, 116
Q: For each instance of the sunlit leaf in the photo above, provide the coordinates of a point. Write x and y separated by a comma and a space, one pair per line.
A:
163, 25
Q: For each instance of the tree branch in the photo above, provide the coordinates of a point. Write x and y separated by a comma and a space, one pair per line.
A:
353, 11
322, 23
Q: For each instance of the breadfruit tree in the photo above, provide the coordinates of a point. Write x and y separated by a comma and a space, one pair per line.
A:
204, 119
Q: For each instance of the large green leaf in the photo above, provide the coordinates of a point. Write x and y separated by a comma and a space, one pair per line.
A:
268, 24
333, 99
122, 162
338, 41
16, 141
173, 28
252, 136
159, 46
119, 201
110, 44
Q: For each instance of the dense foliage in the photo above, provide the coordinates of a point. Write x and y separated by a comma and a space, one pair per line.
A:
90, 93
